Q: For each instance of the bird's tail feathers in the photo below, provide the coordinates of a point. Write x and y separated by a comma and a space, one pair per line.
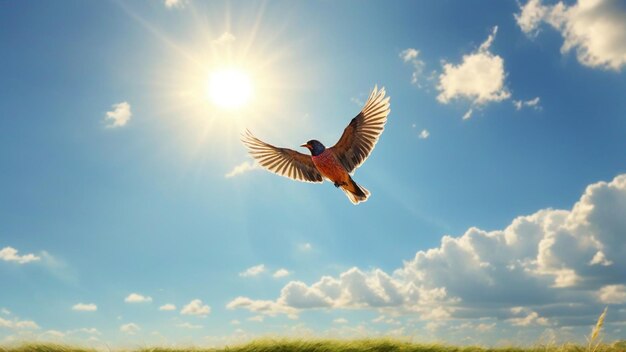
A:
355, 192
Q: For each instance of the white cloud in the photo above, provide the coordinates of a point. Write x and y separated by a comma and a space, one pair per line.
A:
196, 307
130, 328
532, 103
137, 298
5, 311
9, 254
340, 321
225, 38
531, 16
410, 56
270, 308
26, 324
353, 289
531, 318
119, 116
167, 306
174, 3
242, 168
52, 334
468, 114
281, 273
613, 294
253, 271
424, 134
18, 324
298, 295
85, 307
386, 320
600, 259
186, 325
479, 77
534, 272
235, 322
595, 29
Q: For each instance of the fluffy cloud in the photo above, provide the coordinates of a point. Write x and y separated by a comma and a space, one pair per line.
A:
137, 298
119, 116
167, 307
410, 56
479, 77
594, 29
544, 261
18, 324
281, 273
9, 254
85, 307
530, 17
612, 294
253, 271
266, 307
353, 289
130, 328
530, 318
189, 326
242, 168
424, 134
196, 307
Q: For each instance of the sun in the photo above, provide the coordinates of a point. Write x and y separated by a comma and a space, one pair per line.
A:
230, 88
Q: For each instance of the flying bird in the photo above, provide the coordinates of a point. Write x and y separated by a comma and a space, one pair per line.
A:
336, 163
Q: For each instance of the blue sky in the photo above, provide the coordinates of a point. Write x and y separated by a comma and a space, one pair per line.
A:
131, 213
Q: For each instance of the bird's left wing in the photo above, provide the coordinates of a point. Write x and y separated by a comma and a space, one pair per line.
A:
360, 137
282, 161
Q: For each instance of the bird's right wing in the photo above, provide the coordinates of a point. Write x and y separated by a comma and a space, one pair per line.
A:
282, 161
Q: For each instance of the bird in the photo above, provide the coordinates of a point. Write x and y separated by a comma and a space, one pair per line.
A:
335, 164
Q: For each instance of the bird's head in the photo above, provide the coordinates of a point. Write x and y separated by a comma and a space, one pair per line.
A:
315, 147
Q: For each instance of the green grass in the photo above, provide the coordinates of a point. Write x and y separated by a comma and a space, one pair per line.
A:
313, 345
594, 344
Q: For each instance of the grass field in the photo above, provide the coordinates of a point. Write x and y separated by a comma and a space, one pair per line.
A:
594, 344
308, 345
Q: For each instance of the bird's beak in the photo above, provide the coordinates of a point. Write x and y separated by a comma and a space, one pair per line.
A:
306, 146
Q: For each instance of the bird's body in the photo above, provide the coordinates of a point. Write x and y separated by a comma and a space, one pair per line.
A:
331, 168
335, 163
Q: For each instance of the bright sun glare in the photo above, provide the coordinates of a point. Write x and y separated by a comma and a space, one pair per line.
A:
230, 88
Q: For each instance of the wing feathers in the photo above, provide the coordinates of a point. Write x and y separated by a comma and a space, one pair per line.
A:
282, 161
360, 137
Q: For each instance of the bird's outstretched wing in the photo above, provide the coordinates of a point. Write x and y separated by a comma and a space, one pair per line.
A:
282, 161
360, 137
